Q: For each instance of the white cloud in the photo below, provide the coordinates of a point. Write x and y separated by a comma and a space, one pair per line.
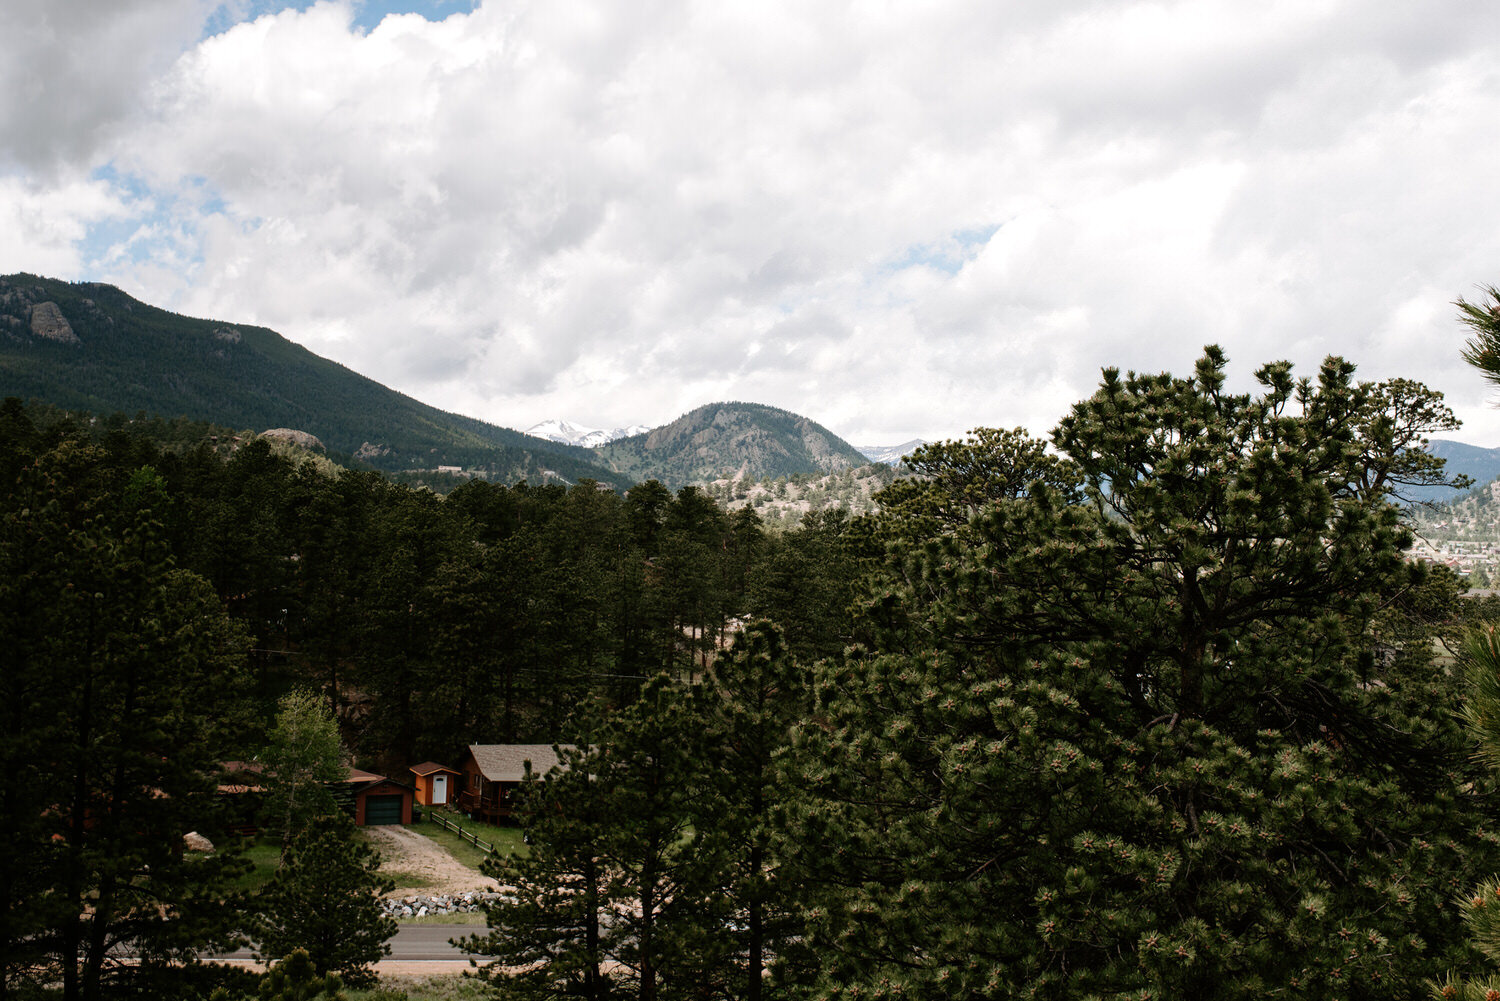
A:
41, 225
897, 221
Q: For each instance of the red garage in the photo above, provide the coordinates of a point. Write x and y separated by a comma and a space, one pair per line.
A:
379, 800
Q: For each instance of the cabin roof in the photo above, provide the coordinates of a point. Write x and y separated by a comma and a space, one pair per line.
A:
428, 767
507, 762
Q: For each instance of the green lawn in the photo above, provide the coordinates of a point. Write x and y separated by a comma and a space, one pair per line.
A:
405, 879
263, 854
507, 840
473, 919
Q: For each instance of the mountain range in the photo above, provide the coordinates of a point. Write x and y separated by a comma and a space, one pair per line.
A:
1479, 464
91, 347
576, 434
891, 455
557, 429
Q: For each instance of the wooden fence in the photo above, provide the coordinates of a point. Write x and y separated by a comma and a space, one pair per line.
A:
469, 836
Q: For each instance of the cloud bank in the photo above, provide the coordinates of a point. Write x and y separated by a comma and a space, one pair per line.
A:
898, 222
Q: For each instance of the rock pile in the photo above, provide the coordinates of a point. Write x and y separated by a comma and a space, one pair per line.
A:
439, 903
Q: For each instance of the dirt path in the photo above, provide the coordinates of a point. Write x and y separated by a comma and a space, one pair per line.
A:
406, 854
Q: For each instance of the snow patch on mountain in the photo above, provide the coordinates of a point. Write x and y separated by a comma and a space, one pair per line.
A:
576, 434
891, 455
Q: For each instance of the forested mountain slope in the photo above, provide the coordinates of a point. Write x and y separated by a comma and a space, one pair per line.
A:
92, 347
731, 441
1477, 463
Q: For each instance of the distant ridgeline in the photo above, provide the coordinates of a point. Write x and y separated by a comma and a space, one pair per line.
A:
90, 347
1479, 464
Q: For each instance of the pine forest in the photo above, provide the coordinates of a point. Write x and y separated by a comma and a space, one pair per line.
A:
1153, 707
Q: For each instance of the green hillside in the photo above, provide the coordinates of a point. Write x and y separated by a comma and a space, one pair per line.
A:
111, 353
731, 441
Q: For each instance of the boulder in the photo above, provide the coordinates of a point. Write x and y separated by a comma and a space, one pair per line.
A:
195, 842
294, 437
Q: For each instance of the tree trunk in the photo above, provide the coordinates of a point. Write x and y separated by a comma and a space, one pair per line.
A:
595, 988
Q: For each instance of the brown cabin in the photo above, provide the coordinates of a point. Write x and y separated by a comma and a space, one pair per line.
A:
493, 772
379, 800
437, 785
242, 791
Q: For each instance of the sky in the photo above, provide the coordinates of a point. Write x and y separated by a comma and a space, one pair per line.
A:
900, 220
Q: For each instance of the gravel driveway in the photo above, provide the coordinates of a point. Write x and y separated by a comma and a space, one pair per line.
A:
404, 853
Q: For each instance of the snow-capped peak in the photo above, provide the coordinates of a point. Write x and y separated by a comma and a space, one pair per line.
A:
558, 430
891, 455
576, 434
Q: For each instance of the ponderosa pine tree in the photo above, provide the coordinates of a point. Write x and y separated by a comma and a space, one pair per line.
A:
121, 671
1138, 743
1483, 318
805, 583
325, 901
753, 697
1480, 906
548, 932
954, 480
618, 897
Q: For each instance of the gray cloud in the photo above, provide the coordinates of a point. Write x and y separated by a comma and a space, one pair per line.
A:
71, 70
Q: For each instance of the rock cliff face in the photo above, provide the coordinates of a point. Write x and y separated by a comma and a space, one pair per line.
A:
26, 307
369, 452
47, 321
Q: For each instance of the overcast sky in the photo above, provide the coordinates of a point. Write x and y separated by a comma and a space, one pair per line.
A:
897, 219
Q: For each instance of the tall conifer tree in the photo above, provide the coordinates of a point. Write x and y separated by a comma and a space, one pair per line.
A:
1137, 741
617, 896
121, 670
1480, 906
325, 901
753, 697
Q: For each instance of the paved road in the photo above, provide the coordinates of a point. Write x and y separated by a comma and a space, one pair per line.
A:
411, 942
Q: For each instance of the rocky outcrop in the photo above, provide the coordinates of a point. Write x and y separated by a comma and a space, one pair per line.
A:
48, 322
227, 335
368, 452
294, 437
